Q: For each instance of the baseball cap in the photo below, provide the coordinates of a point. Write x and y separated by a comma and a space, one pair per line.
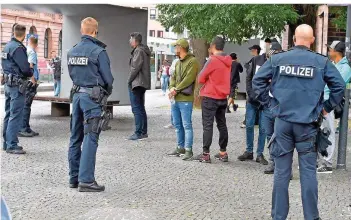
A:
337, 46
181, 42
256, 47
276, 46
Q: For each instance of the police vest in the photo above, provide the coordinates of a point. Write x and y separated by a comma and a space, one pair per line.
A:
298, 85
9, 65
83, 65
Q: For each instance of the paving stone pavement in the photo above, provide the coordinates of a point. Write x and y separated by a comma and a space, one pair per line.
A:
143, 183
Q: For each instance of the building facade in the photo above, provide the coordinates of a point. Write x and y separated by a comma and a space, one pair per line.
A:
48, 28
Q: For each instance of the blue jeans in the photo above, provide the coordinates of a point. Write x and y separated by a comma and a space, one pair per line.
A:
57, 87
14, 102
302, 137
137, 101
26, 113
251, 112
268, 124
182, 114
81, 159
164, 83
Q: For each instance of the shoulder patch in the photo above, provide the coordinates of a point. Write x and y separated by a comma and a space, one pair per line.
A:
4, 55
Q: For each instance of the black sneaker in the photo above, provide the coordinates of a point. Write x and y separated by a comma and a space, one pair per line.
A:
228, 111
25, 134
177, 152
90, 187
203, 158
134, 137
235, 107
260, 159
17, 150
73, 185
246, 156
222, 157
269, 169
34, 133
324, 169
144, 136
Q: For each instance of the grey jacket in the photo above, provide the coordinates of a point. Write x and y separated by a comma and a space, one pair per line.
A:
139, 63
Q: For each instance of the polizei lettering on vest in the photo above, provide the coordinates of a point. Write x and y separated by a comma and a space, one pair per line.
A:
297, 71
81, 61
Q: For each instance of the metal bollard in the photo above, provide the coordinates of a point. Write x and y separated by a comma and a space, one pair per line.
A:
341, 162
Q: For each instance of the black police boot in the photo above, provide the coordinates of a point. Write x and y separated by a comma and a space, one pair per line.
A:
90, 187
269, 169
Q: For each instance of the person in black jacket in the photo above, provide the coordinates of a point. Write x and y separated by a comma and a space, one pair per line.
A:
236, 69
254, 108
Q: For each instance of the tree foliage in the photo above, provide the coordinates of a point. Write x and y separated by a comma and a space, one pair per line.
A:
340, 16
236, 22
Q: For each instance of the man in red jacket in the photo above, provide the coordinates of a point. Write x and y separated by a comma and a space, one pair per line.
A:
215, 77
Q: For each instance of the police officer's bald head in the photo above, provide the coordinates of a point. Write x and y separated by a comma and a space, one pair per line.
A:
89, 26
304, 35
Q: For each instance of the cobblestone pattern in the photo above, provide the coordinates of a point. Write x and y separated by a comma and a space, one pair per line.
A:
143, 183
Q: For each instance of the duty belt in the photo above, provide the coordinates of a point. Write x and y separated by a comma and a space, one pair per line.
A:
13, 80
85, 90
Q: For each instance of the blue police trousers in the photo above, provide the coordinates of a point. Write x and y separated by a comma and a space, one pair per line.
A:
81, 159
302, 137
14, 102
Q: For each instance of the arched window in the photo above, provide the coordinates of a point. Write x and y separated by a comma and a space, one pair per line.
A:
60, 44
47, 42
32, 30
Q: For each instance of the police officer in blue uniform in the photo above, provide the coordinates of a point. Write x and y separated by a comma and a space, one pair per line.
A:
298, 79
89, 69
16, 70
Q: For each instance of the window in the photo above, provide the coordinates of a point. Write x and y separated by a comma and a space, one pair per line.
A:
160, 34
152, 14
60, 44
47, 43
152, 33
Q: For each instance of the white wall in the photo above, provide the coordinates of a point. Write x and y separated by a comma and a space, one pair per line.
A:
114, 32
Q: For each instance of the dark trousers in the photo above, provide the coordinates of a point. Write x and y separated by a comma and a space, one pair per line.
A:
214, 109
83, 145
14, 102
27, 111
137, 101
288, 137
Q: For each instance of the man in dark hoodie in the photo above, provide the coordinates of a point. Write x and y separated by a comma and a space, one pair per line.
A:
236, 69
139, 81
215, 78
253, 107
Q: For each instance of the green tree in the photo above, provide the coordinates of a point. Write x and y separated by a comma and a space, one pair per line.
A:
340, 16
237, 23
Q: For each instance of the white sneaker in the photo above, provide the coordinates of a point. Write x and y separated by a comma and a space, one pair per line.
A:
170, 126
242, 126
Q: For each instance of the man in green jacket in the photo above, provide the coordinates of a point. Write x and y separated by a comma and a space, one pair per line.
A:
182, 97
